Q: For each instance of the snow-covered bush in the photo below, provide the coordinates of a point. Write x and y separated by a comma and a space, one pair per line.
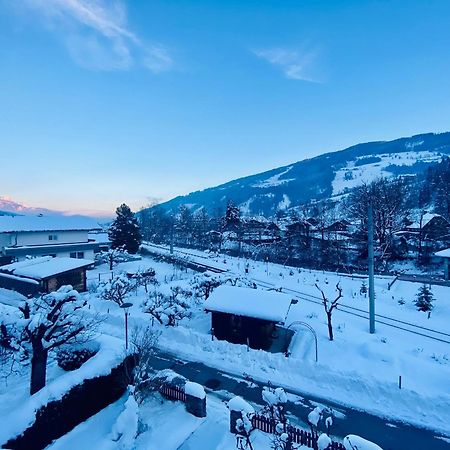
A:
323, 442
117, 289
72, 358
171, 307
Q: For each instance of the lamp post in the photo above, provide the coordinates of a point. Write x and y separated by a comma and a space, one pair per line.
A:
126, 307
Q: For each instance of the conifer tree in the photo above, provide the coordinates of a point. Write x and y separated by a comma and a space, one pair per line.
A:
424, 299
124, 231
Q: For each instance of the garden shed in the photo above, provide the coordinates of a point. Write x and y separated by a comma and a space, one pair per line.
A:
44, 275
250, 316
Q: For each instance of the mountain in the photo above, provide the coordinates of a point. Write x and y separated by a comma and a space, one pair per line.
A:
326, 176
9, 207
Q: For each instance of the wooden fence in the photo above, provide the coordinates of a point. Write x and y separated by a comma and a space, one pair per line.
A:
173, 393
298, 435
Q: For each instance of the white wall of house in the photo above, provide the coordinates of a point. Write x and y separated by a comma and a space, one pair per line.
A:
87, 254
42, 237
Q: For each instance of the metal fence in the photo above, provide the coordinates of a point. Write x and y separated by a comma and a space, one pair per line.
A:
298, 435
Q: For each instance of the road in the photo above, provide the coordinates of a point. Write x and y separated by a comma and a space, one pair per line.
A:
389, 435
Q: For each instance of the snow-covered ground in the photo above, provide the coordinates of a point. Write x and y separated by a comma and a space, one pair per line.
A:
357, 369
167, 427
354, 175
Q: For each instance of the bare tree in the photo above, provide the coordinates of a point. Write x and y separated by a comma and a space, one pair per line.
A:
330, 306
143, 344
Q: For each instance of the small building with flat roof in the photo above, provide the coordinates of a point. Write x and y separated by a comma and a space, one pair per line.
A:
44, 275
250, 316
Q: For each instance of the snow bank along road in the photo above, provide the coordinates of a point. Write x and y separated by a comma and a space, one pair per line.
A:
389, 435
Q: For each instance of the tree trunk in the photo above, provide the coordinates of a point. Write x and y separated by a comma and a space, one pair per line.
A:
38, 367
330, 326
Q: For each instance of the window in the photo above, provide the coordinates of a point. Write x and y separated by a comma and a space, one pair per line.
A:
73, 254
80, 255
52, 237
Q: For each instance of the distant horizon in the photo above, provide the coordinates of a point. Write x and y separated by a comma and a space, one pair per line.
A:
104, 215
110, 102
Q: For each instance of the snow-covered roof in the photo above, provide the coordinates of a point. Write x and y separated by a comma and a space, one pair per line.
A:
44, 267
247, 302
11, 224
425, 219
444, 253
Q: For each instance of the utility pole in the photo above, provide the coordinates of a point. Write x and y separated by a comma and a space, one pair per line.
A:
171, 235
371, 272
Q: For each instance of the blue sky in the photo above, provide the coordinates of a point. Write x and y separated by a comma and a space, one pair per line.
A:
109, 101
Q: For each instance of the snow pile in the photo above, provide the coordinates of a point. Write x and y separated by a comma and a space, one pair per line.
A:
125, 429
323, 442
46, 223
19, 419
352, 441
194, 389
239, 404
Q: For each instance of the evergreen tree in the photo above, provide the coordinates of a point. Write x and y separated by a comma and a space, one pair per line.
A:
124, 231
424, 299
232, 219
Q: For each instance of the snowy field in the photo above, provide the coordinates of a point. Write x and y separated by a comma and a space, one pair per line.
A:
354, 175
356, 369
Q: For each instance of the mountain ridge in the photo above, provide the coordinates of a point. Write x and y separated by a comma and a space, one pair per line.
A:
320, 177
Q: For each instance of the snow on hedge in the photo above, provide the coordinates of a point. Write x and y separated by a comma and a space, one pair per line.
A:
239, 404
194, 389
19, 419
352, 441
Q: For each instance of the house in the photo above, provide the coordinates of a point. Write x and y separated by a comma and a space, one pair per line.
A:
339, 225
445, 255
250, 316
431, 226
62, 236
44, 274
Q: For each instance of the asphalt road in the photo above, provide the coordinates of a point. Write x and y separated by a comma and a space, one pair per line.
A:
389, 435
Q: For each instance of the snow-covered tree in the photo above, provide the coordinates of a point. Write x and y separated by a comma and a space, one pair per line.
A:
330, 306
171, 307
46, 323
114, 256
124, 232
424, 299
146, 278
118, 289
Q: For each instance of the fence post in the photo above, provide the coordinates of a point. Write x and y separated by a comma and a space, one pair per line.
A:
400, 382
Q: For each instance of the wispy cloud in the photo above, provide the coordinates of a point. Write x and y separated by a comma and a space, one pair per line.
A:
97, 34
295, 64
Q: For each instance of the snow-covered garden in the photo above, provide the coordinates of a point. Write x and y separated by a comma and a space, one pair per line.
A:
356, 369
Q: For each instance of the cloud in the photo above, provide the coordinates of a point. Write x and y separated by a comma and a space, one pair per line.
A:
97, 35
295, 64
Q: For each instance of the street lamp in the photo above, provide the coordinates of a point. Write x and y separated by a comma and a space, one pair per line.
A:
126, 307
